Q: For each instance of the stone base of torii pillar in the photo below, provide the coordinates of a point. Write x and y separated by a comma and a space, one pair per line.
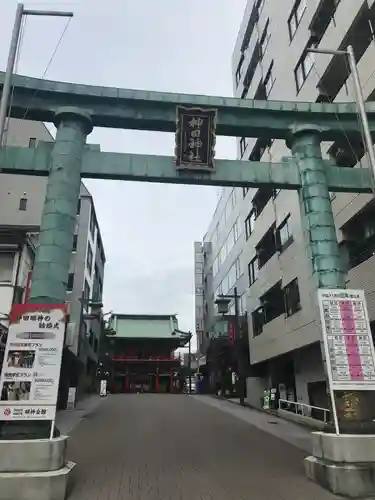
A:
343, 464
34, 469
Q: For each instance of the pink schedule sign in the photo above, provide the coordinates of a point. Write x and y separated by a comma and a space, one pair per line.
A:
348, 343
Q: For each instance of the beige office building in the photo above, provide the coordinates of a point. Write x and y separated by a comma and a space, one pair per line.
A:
270, 61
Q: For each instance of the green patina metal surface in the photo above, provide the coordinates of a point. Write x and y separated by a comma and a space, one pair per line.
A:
39, 100
141, 110
141, 326
148, 168
51, 267
318, 223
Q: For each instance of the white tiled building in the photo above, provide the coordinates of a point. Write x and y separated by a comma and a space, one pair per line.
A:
270, 61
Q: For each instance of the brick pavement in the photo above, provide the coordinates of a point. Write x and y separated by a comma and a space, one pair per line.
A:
175, 447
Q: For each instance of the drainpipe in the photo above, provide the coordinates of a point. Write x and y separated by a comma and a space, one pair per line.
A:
17, 272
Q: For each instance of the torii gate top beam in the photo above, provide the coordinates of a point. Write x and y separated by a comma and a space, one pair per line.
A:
112, 107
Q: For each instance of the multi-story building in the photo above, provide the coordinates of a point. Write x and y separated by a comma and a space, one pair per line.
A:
218, 264
271, 61
21, 205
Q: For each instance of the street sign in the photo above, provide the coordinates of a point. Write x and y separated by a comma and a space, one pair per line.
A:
195, 138
348, 344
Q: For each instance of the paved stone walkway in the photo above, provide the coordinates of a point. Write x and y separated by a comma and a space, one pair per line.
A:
166, 447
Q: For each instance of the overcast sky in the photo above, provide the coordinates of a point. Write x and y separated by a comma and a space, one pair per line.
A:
165, 45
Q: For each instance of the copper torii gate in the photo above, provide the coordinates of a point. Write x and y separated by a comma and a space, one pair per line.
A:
76, 109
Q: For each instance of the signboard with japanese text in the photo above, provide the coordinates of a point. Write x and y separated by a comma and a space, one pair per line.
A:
30, 373
195, 138
232, 330
348, 344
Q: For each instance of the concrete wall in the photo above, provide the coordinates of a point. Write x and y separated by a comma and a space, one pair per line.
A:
308, 368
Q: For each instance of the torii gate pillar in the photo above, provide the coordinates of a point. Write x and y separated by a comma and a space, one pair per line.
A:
51, 267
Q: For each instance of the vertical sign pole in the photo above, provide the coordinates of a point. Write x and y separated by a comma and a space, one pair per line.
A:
52, 428
328, 366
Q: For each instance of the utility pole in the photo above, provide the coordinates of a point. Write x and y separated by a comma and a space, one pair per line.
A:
189, 361
362, 109
5, 96
238, 343
222, 302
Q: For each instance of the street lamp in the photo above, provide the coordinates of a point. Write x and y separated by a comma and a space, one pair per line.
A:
360, 101
222, 302
20, 13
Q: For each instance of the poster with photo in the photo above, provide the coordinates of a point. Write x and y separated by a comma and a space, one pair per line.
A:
30, 373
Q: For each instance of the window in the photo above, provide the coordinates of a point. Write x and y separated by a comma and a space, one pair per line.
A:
266, 248
89, 257
75, 239
295, 17
32, 142
243, 145
265, 38
230, 241
70, 282
260, 5
260, 200
6, 266
359, 237
86, 291
259, 148
249, 223
23, 204
243, 306
231, 203
324, 14
258, 320
238, 268
253, 269
223, 254
239, 69
292, 298
79, 207
303, 69
275, 302
215, 267
231, 277
244, 191
92, 223
345, 153
269, 80
284, 237
236, 231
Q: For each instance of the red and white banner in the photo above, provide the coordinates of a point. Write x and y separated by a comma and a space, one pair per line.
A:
30, 374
